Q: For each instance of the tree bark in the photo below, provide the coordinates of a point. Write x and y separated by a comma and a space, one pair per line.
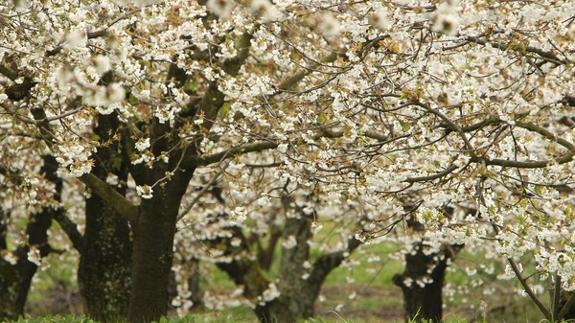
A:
299, 287
105, 261
297, 294
283, 310
15, 280
155, 225
104, 273
566, 300
194, 285
423, 304
152, 250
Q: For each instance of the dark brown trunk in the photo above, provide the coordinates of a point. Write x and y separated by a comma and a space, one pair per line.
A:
15, 280
423, 303
105, 262
289, 308
422, 280
152, 250
104, 273
9, 289
570, 312
281, 310
153, 241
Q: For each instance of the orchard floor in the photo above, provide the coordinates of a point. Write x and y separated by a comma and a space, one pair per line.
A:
362, 293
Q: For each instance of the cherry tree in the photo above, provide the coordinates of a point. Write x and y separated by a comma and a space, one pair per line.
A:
439, 104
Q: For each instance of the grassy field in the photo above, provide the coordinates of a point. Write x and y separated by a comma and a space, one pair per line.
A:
362, 293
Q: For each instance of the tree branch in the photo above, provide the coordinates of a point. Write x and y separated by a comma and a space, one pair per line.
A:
293, 80
116, 200
101, 188
548, 56
529, 291
431, 177
70, 228
242, 149
568, 157
326, 263
545, 133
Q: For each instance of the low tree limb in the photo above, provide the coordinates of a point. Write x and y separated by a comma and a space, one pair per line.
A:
116, 200
70, 228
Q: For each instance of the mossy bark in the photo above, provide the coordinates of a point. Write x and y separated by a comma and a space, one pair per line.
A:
194, 284
104, 273
297, 294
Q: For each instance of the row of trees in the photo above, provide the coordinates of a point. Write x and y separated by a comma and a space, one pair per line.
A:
225, 131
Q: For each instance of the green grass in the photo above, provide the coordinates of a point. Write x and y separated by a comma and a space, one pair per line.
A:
57, 319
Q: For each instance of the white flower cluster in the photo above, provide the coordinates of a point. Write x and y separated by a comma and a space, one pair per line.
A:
75, 157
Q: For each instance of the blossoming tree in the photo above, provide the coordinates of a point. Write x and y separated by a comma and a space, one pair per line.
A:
450, 104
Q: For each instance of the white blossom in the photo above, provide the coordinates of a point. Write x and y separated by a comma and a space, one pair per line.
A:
145, 191
142, 144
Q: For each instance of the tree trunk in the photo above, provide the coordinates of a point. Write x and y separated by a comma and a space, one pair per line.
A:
152, 250
248, 273
288, 309
15, 280
9, 289
423, 301
194, 285
153, 241
297, 297
284, 310
570, 314
423, 304
105, 262
299, 286
104, 273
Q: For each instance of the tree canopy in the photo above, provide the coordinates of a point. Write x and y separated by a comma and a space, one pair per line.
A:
217, 130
